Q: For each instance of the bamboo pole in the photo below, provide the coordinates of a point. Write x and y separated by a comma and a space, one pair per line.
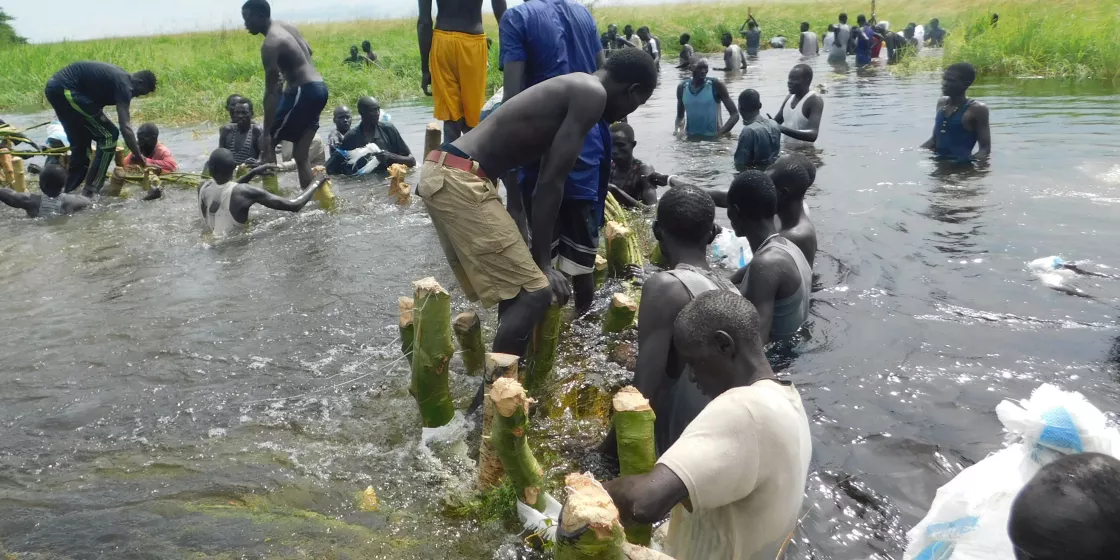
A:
600, 271
633, 424
397, 186
622, 250
151, 180
621, 315
589, 523
510, 424
325, 194
490, 471
119, 157
541, 355
6, 167
468, 331
431, 354
19, 176
116, 183
433, 138
407, 327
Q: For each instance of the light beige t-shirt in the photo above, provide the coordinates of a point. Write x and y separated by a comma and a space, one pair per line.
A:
744, 460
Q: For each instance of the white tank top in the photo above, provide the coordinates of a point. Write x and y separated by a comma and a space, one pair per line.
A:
49, 207
736, 57
794, 117
810, 46
213, 200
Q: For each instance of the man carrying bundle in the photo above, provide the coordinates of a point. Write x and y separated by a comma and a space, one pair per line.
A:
79, 93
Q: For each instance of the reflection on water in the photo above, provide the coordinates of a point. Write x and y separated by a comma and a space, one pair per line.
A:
169, 396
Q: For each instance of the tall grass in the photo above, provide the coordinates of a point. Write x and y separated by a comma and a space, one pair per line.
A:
1066, 38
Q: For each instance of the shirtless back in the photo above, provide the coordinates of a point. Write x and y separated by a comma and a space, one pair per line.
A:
463, 16
293, 55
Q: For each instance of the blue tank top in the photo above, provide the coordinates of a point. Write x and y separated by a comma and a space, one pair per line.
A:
701, 109
953, 141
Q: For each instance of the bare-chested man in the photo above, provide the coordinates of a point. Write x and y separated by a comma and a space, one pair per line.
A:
292, 115
453, 61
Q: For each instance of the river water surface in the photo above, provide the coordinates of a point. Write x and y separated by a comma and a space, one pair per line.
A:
168, 396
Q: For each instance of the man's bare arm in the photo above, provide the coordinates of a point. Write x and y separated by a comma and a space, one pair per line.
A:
721, 90
424, 34
15, 199
647, 498
680, 107
761, 290
129, 135
499, 8
260, 196
513, 79
270, 58
982, 126
815, 105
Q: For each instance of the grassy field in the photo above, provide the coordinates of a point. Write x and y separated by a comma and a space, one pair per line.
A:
1065, 38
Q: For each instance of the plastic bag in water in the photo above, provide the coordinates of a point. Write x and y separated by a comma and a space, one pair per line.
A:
968, 518
731, 251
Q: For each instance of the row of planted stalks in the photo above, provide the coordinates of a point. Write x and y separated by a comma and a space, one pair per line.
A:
589, 526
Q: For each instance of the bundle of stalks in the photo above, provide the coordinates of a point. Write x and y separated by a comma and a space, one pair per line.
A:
397, 186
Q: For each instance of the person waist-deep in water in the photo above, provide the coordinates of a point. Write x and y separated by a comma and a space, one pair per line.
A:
393, 149
734, 59
792, 175
342, 118
78, 94
800, 116
698, 101
687, 51
961, 123
52, 202
760, 140
152, 152
242, 136
808, 43
752, 33
838, 50
734, 480
629, 182
225, 203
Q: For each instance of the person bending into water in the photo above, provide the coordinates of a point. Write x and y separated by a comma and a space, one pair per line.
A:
687, 51
753, 35
838, 51
292, 115
371, 131
242, 137
548, 122
733, 57
778, 280
698, 99
79, 93
936, 35
152, 152
961, 123
453, 61
684, 228
630, 178
801, 112
792, 175
809, 46
225, 204
52, 202
735, 479
1069, 509
343, 118
760, 140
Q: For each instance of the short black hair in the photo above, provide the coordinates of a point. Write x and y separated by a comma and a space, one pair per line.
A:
831, 27
810, 167
146, 77
804, 68
1070, 509
717, 310
259, 7
232, 97
52, 179
726, 35
688, 214
625, 129
843, 18
754, 194
686, 37
749, 100
644, 28
366, 44
966, 71
148, 127
790, 178
246, 101
804, 26
632, 66
221, 160
862, 18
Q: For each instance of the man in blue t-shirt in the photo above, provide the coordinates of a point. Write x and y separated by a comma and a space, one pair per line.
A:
542, 39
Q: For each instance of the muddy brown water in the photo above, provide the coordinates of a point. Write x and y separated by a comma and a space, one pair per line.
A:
167, 396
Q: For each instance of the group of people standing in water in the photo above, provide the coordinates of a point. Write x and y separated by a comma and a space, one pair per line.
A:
733, 438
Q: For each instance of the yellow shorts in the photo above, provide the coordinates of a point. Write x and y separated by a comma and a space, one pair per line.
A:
481, 241
457, 62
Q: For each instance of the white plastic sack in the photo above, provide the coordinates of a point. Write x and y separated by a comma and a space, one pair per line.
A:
542, 523
968, 518
734, 252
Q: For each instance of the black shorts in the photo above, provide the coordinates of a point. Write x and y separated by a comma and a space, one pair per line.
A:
299, 111
576, 243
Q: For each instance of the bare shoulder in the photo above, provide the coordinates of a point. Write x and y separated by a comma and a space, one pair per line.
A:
664, 292
941, 103
978, 108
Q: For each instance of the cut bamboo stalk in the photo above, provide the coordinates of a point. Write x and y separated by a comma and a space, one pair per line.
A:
433, 137
600, 271
510, 424
241, 171
589, 523
622, 250
397, 186
407, 327
541, 355
635, 552
271, 183
19, 176
6, 171
620, 316
432, 352
151, 179
119, 157
490, 471
116, 183
468, 331
637, 454
325, 194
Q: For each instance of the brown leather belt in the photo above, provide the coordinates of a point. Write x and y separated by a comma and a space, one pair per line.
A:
455, 162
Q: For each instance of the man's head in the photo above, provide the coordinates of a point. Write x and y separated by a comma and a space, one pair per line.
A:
143, 83
935, 23
699, 68
800, 78
752, 25
369, 108
752, 198
686, 218
612, 29
832, 28
147, 136
749, 103
366, 47
622, 143
909, 31
221, 166
685, 38
231, 102
353, 51
342, 118
791, 179
717, 335
242, 114
257, 15
628, 30
52, 179
861, 20
881, 28
1070, 509
631, 76
643, 33
843, 19
804, 26
725, 39
957, 79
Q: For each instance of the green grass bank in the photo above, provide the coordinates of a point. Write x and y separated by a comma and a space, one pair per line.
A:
1059, 38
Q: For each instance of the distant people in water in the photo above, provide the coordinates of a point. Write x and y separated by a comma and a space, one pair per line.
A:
52, 202
630, 178
342, 120
961, 123
838, 50
687, 51
829, 39
225, 203
809, 46
391, 147
242, 136
650, 43
367, 52
801, 112
995, 20
698, 101
864, 34
936, 35
792, 175
733, 57
152, 152
1069, 509
760, 140
753, 35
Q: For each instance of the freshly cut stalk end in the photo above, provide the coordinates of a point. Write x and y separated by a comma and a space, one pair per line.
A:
119, 158
637, 453
116, 182
325, 194
589, 523
431, 353
19, 176
433, 138
510, 426
468, 331
621, 315
630, 399
490, 471
622, 250
600, 271
542, 349
406, 306
397, 186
